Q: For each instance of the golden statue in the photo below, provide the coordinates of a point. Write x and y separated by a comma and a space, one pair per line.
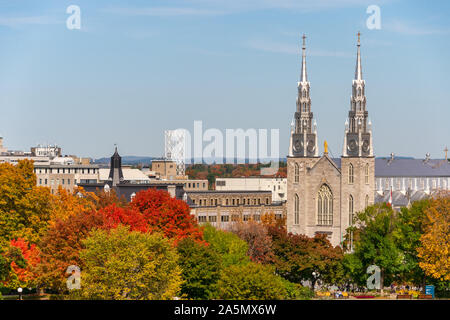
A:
325, 145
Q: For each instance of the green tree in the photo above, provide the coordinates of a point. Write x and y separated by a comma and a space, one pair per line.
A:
252, 281
374, 244
201, 269
409, 229
231, 249
120, 264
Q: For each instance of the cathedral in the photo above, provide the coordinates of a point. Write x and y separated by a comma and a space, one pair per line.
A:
324, 193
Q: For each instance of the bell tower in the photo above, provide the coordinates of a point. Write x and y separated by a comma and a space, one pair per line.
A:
304, 132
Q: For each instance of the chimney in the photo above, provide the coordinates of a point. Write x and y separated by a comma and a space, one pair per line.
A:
427, 158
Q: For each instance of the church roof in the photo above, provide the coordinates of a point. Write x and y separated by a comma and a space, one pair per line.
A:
385, 167
401, 167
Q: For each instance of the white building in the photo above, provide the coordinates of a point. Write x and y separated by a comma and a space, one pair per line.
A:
278, 186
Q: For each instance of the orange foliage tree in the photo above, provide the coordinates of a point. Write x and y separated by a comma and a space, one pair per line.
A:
169, 215
434, 252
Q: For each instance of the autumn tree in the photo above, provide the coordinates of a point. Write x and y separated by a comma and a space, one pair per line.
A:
66, 203
252, 281
24, 208
169, 215
231, 249
23, 259
121, 264
258, 240
201, 268
434, 252
61, 245
297, 257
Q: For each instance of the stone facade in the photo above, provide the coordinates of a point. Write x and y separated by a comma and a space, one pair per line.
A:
324, 194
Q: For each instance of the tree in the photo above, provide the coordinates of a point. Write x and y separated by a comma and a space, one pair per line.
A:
121, 264
258, 240
407, 233
24, 207
23, 259
61, 245
374, 244
113, 216
166, 214
231, 249
201, 269
434, 252
252, 281
297, 257
65, 203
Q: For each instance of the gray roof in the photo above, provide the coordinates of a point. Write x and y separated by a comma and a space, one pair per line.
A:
399, 199
408, 167
384, 167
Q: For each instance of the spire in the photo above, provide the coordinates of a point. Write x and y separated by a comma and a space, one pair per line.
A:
303, 77
358, 70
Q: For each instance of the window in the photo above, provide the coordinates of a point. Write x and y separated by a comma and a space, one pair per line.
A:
68, 181
45, 181
212, 218
201, 218
350, 210
350, 174
324, 206
267, 200
296, 173
234, 202
62, 181
366, 176
204, 185
224, 218
296, 209
246, 217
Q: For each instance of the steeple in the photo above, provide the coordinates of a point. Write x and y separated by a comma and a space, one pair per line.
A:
358, 133
304, 142
358, 69
304, 77
115, 171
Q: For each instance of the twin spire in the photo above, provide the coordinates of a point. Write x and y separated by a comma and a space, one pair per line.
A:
358, 137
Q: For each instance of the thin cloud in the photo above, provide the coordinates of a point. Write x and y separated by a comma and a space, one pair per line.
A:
409, 29
162, 11
13, 22
278, 47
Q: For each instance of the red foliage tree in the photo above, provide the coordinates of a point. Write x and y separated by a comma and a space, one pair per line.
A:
114, 215
169, 215
23, 272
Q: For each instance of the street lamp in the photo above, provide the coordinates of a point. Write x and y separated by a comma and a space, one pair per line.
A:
19, 290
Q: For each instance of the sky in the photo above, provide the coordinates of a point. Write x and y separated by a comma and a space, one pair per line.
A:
137, 68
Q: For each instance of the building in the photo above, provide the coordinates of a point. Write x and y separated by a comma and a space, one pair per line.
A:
2, 149
165, 169
66, 175
278, 186
117, 180
50, 151
322, 195
221, 208
409, 179
131, 175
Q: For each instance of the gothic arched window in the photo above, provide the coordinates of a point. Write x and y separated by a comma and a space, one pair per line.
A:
350, 210
359, 92
350, 174
324, 206
296, 173
304, 107
296, 209
366, 178
304, 93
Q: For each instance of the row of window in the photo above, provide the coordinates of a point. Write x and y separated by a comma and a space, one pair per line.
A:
44, 182
188, 185
234, 217
228, 202
66, 170
412, 183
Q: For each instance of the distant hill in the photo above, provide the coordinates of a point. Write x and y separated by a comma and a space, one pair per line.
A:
128, 160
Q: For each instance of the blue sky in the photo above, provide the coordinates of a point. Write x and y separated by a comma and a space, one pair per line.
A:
137, 68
